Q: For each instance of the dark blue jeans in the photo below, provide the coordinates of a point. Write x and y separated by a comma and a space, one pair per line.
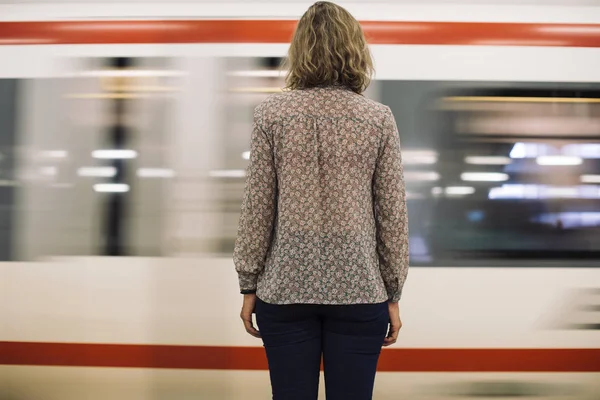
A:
348, 337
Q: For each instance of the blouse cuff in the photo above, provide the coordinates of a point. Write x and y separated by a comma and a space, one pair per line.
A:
395, 297
248, 282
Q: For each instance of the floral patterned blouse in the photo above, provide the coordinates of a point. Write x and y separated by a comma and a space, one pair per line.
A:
324, 216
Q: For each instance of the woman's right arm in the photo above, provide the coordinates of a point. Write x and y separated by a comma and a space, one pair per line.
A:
259, 208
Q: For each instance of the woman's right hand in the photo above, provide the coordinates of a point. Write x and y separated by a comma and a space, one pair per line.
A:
246, 314
395, 324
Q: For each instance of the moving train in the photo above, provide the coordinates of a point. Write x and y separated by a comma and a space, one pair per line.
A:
124, 139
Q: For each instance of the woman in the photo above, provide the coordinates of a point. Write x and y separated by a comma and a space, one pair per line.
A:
322, 246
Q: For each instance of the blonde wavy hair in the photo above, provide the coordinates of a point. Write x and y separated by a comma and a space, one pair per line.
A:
328, 49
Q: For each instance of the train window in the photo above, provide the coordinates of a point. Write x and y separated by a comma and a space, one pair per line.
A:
9, 89
499, 172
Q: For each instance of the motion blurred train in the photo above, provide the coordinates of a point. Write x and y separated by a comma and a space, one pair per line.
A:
124, 137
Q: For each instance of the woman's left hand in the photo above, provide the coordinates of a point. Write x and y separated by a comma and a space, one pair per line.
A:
246, 314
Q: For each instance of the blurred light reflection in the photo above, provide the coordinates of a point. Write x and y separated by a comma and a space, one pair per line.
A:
111, 187
459, 190
488, 160
559, 160
114, 154
590, 178
104, 172
484, 176
533, 191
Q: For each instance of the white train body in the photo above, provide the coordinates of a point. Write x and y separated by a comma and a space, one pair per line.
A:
163, 322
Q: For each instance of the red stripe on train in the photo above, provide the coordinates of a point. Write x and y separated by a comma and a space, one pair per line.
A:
253, 358
280, 31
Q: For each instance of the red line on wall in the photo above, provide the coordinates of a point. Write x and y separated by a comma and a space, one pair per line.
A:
280, 31
253, 358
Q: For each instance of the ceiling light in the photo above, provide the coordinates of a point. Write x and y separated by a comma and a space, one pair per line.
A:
484, 176
488, 160
103, 172
114, 154
516, 191
459, 190
559, 160
111, 187
590, 178
535, 191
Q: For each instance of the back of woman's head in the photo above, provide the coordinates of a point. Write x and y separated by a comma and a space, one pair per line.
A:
329, 49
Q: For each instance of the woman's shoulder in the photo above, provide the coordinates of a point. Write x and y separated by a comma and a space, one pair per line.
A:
272, 101
270, 107
374, 106
278, 105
